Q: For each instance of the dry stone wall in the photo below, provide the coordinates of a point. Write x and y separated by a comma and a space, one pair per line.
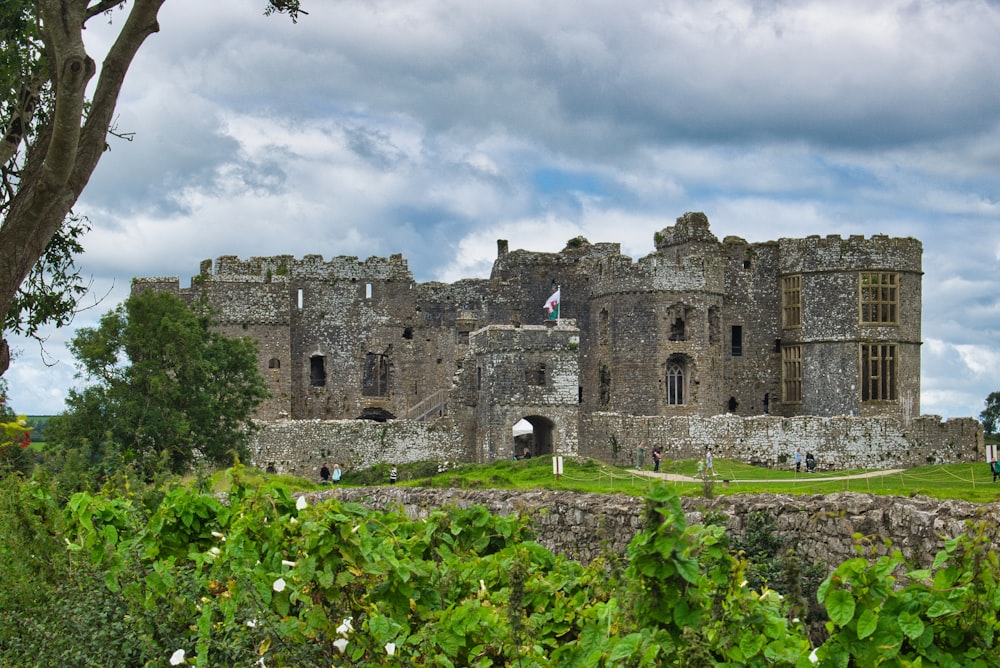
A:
586, 526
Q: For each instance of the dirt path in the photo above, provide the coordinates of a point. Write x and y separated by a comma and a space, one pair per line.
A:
805, 477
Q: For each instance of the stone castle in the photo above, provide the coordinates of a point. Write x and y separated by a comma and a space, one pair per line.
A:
749, 348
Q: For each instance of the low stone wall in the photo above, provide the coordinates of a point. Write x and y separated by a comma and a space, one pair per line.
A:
585, 526
300, 447
837, 442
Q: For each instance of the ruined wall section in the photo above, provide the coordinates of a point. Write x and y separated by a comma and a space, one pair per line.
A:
836, 442
527, 371
751, 327
300, 447
832, 332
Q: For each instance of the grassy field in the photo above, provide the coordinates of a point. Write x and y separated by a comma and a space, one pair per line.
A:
970, 482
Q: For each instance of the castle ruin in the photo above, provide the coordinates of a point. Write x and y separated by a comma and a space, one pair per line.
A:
748, 348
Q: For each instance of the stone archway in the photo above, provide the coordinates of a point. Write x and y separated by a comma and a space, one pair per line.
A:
536, 442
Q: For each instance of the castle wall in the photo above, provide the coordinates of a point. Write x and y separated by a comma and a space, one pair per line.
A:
753, 377
300, 447
832, 329
836, 442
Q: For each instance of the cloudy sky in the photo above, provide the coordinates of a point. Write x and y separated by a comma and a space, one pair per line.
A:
433, 128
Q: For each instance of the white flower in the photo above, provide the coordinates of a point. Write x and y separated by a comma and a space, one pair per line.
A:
293, 521
279, 585
812, 656
252, 623
301, 504
482, 585
390, 648
355, 529
177, 658
218, 535
286, 562
341, 644
216, 551
345, 627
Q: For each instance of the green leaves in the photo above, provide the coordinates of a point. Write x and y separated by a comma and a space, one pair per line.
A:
167, 388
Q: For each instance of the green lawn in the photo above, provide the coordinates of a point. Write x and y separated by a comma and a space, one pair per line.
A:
971, 482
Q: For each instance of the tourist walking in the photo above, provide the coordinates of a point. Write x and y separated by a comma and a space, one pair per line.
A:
798, 459
656, 458
393, 474
324, 475
337, 473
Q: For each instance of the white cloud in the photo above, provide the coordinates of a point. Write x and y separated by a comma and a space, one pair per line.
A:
432, 129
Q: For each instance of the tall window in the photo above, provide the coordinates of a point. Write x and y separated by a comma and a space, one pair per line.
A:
604, 396
675, 384
878, 372
375, 380
737, 341
791, 301
879, 297
317, 371
791, 374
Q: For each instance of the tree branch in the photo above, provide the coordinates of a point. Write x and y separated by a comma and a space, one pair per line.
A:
140, 24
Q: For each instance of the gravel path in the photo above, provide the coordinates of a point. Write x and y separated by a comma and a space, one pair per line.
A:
805, 477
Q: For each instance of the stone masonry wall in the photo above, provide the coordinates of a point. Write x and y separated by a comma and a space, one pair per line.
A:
836, 442
585, 526
300, 447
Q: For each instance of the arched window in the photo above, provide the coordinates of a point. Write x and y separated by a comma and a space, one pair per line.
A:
675, 384
274, 363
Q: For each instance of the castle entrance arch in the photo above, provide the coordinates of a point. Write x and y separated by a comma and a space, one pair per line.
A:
532, 435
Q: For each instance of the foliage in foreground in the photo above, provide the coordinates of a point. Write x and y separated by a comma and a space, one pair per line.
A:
263, 578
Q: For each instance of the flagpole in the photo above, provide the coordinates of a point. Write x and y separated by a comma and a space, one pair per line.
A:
559, 310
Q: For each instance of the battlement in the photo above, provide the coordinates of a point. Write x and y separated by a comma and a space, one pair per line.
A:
834, 253
309, 267
558, 335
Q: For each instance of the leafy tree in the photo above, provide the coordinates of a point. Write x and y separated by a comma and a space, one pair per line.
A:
54, 135
991, 414
168, 389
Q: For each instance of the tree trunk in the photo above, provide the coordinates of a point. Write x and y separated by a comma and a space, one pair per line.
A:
59, 164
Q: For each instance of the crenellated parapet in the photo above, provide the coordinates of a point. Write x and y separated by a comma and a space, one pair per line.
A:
834, 253
309, 267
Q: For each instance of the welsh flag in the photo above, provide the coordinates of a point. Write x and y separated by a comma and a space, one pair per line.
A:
552, 304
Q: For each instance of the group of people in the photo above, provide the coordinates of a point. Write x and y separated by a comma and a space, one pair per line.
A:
810, 461
706, 466
326, 476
